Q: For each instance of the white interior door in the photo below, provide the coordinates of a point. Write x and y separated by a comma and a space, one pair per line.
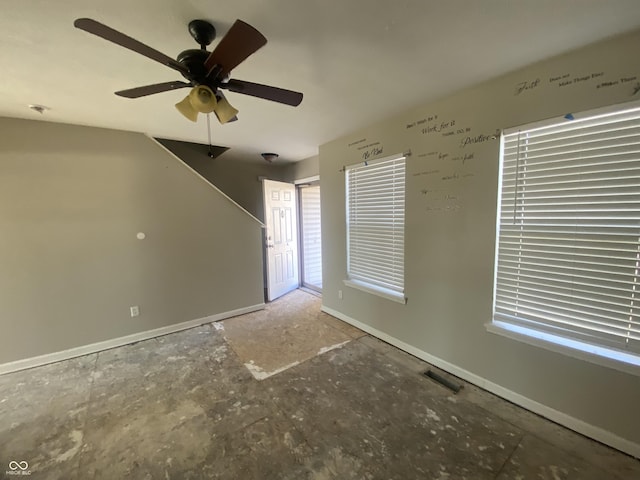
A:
281, 238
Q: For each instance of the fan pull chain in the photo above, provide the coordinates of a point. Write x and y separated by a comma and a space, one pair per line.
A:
209, 134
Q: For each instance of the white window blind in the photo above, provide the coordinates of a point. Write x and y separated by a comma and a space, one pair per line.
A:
568, 252
375, 224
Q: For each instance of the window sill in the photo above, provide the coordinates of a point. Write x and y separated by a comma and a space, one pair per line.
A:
379, 291
624, 362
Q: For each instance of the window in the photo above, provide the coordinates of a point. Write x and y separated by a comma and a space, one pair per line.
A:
568, 249
375, 227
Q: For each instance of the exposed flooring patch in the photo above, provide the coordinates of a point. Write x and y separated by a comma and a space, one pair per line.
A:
259, 374
184, 406
286, 333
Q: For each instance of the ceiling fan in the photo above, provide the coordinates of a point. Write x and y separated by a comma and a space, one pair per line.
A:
207, 73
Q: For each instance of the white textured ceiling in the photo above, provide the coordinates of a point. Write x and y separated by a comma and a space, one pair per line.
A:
354, 60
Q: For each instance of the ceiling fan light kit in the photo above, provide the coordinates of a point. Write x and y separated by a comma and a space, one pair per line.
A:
200, 100
186, 109
225, 111
207, 73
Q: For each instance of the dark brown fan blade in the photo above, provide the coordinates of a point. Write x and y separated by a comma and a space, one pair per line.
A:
274, 94
240, 41
108, 33
151, 89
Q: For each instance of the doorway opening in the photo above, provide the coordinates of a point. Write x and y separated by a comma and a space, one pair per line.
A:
310, 235
292, 239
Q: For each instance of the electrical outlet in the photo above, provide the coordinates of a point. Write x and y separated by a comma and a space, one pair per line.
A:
135, 311
340, 294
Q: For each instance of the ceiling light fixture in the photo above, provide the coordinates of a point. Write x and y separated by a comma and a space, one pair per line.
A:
39, 108
201, 99
269, 157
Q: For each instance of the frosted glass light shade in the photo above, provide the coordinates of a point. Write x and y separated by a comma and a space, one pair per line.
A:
224, 111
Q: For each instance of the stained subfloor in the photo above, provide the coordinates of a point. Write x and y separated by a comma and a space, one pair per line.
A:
185, 406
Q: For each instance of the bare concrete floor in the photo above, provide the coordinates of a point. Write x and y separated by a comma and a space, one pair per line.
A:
185, 406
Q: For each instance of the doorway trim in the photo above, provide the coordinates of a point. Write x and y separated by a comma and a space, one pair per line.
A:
312, 179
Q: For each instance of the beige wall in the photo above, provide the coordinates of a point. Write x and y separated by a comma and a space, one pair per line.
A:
237, 179
309, 167
450, 237
72, 200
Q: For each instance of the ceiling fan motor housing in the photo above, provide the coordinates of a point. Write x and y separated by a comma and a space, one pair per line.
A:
204, 33
194, 60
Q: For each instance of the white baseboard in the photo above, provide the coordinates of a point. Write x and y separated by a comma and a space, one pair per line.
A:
118, 342
568, 421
